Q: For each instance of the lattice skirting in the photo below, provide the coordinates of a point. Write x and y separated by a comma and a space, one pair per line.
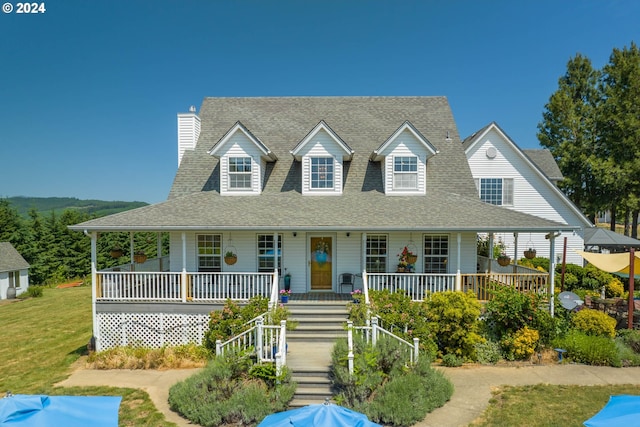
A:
150, 329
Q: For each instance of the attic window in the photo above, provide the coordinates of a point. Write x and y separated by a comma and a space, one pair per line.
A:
321, 173
239, 173
405, 173
496, 191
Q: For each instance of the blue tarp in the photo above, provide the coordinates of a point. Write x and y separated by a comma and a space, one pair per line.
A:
321, 415
623, 410
68, 411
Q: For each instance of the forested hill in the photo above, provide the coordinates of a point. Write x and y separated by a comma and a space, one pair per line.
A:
46, 205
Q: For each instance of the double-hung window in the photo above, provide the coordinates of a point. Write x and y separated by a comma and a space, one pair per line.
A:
405, 173
496, 191
240, 173
209, 252
436, 253
266, 253
321, 173
376, 253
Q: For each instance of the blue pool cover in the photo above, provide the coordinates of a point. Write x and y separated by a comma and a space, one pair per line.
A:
623, 410
320, 415
69, 411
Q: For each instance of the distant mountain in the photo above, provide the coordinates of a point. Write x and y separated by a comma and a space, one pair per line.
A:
46, 205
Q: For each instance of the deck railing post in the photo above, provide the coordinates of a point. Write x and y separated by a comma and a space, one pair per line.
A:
218, 347
350, 345
416, 347
259, 340
283, 342
374, 330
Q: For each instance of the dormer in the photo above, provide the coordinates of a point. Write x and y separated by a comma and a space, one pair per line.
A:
322, 154
404, 155
242, 160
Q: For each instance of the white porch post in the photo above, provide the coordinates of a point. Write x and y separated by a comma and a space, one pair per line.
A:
363, 261
183, 281
275, 251
552, 269
458, 275
94, 291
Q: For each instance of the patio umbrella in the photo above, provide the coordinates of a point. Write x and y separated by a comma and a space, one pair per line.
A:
69, 411
320, 415
623, 410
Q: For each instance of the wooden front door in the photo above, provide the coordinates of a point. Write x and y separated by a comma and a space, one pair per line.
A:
321, 264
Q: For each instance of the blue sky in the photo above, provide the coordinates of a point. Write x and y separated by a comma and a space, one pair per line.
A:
90, 89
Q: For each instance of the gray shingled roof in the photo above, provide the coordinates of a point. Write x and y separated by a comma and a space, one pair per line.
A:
544, 160
363, 123
10, 259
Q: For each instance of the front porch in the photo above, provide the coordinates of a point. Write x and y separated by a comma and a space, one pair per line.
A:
193, 287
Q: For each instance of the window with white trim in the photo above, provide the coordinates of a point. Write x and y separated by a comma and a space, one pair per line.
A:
266, 252
321, 173
209, 252
436, 253
405, 173
376, 260
496, 191
240, 173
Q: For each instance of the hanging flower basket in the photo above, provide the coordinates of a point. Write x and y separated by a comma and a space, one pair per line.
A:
411, 259
139, 257
116, 252
530, 253
504, 260
230, 258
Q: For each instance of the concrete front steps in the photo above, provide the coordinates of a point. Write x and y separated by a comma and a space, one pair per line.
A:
310, 347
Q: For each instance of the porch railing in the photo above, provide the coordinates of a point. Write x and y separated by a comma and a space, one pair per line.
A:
482, 283
372, 333
269, 342
142, 286
416, 285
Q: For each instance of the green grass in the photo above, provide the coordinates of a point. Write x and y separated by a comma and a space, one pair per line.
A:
42, 337
548, 405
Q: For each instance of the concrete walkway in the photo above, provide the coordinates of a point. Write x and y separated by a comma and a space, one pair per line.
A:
473, 385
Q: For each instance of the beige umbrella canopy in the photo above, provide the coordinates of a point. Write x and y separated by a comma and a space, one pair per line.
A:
612, 263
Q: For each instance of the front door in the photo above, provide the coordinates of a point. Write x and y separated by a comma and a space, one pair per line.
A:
321, 263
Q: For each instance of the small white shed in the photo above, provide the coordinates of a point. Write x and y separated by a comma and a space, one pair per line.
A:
14, 272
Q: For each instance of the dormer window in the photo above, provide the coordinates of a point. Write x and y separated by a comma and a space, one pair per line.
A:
240, 173
321, 173
405, 173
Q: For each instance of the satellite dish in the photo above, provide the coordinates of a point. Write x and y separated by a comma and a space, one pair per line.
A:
569, 300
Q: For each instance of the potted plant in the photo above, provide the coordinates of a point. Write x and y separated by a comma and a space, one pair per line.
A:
116, 252
356, 295
406, 259
230, 258
284, 295
504, 259
530, 253
139, 257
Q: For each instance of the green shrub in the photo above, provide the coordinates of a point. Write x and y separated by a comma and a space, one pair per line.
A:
594, 322
510, 310
589, 349
631, 338
224, 393
425, 389
34, 291
452, 361
453, 319
627, 356
521, 344
488, 352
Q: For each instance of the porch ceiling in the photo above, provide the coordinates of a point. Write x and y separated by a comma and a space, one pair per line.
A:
359, 211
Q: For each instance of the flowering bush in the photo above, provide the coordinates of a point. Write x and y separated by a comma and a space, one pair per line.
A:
356, 292
285, 293
406, 257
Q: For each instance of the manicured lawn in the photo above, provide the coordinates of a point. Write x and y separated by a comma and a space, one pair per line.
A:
548, 405
39, 340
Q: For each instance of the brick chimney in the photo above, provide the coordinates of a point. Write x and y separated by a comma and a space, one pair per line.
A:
188, 131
